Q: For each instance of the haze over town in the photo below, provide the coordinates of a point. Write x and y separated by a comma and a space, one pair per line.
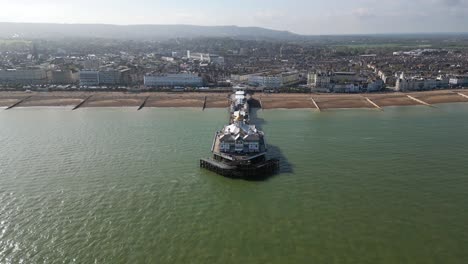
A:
311, 17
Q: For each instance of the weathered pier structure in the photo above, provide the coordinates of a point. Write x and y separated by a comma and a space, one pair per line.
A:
239, 149
258, 170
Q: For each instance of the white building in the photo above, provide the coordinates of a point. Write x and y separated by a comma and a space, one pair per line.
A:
274, 80
24, 76
419, 83
319, 82
202, 57
109, 77
89, 78
216, 59
170, 80
240, 77
461, 81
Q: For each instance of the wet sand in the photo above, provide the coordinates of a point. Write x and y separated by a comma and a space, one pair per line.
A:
220, 100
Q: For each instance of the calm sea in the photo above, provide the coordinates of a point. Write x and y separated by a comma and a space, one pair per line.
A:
120, 186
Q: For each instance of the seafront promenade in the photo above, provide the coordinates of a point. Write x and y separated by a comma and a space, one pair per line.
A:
220, 100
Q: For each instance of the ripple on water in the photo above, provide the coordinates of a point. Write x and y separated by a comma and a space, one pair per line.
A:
113, 185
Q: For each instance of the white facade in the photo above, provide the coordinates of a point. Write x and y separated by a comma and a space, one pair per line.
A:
266, 81
179, 79
240, 77
203, 57
459, 81
274, 80
218, 60
109, 77
319, 80
419, 84
89, 78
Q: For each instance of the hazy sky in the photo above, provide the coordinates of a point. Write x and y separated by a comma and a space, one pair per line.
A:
300, 16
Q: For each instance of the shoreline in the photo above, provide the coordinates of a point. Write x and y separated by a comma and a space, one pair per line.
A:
220, 100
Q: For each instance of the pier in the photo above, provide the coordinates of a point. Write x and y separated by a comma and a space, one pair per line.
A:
374, 104
143, 103
239, 149
418, 100
82, 103
250, 172
17, 103
315, 103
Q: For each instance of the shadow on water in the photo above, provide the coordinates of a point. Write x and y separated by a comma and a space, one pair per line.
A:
273, 151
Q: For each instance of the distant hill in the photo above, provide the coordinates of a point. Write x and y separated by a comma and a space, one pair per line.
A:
150, 32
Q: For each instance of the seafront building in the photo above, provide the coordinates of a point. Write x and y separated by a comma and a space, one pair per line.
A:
274, 79
89, 78
64, 76
343, 82
418, 83
459, 81
31, 75
109, 77
172, 80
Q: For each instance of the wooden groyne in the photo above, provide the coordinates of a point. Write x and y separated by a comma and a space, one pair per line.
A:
315, 103
204, 103
418, 100
82, 103
18, 103
374, 104
143, 103
463, 95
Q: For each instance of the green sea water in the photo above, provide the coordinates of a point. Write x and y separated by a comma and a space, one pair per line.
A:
118, 185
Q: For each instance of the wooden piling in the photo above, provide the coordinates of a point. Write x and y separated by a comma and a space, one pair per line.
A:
374, 104
315, 103
260, 101
143, 103
82, 103
463, 95
204, 104
418, 100
17, 103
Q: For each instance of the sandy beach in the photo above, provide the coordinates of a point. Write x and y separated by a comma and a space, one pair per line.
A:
220, 100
